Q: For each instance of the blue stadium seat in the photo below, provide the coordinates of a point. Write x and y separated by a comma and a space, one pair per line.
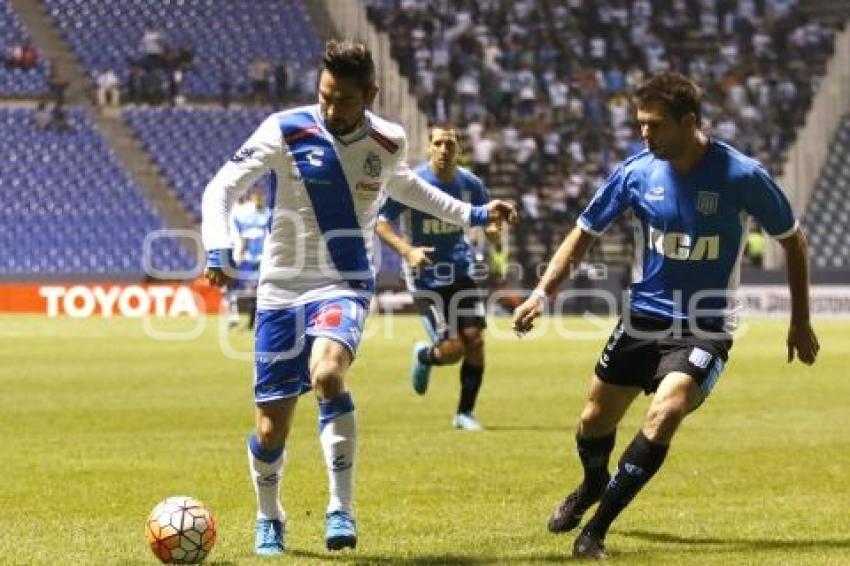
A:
70, 207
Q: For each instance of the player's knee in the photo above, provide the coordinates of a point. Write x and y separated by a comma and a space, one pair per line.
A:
663, 418
451, 351
473, 340
594, 420
269, 435
327, 377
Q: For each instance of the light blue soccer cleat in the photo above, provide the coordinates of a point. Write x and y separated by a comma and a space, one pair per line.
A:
269, 541
340, 530
419, 373
465, 421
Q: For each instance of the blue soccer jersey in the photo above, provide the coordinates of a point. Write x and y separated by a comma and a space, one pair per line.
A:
690, 228
252, 225
452, 256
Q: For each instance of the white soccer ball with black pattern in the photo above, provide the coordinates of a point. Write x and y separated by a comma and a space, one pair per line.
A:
180, 530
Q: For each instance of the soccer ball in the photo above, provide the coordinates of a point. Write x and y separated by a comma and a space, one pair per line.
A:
180, 530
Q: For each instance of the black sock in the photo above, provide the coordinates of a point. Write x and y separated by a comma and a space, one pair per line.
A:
428, 356
594, 454
470, 383
637, 465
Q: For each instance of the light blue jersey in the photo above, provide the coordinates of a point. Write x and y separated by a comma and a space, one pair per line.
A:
452, 255
690, 229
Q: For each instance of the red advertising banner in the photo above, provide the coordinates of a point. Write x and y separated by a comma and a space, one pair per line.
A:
82, 300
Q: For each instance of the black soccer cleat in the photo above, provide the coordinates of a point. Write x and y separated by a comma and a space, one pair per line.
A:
588, 546
567, 515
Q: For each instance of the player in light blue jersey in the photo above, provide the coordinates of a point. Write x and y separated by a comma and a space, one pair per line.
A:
690, 197
251, 224
330, 166
438, 267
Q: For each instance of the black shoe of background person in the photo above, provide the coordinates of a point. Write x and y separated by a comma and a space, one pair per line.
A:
588, 546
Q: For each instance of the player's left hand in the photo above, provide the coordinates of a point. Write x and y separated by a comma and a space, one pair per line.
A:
525, 314
802, 340
500, 211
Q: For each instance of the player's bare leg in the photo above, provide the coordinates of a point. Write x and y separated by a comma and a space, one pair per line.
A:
266, 458
329, 362
677, 395
605, 406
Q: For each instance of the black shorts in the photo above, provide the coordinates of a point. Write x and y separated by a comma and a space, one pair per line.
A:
448, 309
633, 359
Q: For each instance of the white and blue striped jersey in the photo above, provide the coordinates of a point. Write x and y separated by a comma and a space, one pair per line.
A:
251, 226
690, 229
325, 196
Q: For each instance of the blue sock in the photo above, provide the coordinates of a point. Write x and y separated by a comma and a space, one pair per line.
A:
260, 453
333, 408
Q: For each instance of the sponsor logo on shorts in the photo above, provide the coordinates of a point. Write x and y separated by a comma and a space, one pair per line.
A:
700, 358
328, 317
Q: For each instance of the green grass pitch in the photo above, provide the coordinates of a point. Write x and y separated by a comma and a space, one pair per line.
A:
99, 421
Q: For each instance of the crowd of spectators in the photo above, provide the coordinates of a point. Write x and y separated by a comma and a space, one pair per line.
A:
544, 84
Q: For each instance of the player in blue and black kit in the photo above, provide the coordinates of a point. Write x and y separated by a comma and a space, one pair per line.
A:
691, 198
438, 266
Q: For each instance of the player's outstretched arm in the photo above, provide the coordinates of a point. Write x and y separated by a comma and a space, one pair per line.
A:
569, 253
802, 341
414, 256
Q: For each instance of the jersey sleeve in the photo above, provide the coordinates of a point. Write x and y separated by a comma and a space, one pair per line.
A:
610, 200
479, 194
765, 201
391, 210
251, 161
405, 186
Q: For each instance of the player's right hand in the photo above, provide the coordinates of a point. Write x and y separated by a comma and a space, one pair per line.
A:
220, 268
525, 314
803, 343
418, 257
216, 277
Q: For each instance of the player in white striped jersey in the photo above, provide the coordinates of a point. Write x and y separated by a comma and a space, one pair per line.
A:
332, 166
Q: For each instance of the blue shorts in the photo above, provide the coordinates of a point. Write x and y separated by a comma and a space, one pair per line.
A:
284, 338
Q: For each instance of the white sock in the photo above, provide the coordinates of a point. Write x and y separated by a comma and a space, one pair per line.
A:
338, 437
267, 477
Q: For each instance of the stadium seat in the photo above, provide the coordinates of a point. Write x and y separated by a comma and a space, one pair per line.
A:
70, 207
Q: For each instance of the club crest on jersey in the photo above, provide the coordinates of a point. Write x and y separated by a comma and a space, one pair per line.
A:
707, 202
372, 165
655, 193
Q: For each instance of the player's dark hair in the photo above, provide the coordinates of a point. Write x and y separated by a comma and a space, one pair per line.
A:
347, 59
679, 94
442, 126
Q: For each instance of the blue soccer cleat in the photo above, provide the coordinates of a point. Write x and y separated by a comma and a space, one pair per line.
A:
340, 530
269, 541
419, 373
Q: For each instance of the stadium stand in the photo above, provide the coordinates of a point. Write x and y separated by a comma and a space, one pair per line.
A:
16, 81
223, 38
67, 207
828, 212
547, 82
190, 144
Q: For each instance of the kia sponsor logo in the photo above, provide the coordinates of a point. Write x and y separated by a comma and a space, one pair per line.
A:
81, 301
